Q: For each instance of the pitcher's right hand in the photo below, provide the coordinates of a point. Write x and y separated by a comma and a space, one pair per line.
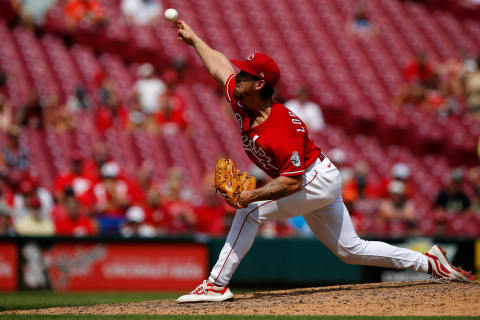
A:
185, 32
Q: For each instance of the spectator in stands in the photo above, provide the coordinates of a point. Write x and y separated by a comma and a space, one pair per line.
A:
397, 213
149, 90
135, 225
113, 197
400, 172
6, 222
112, 114
6, 114
452, 198
88, 11
15, 155
26, 190
419, 75
10, 184
172, 106
155, 215
71, 220
56, 116
79, 101
104, 86
75, 180
175, 186
91, 167
472, 91
32, 12
31, 221
136, 118
307, 110
349, 198
420, 71
450, 75
177, 208
450, 201
360, 24
210, 215
180, 215
360, 185
31, 114
141, 12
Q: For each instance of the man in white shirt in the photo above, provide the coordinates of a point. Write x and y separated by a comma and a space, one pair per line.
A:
141, 12
308, 111
149, 89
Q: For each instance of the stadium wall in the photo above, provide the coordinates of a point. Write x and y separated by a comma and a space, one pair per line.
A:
179, 264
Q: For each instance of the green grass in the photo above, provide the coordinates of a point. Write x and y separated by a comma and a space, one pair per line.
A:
48, 299
221, 317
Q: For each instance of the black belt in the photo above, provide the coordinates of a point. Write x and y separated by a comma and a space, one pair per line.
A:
321, 156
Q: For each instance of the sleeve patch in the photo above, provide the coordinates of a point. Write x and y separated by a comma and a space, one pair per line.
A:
295, 159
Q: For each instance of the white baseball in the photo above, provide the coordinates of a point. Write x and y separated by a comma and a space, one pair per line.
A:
171, 14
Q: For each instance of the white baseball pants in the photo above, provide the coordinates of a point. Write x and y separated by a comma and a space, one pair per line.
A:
321, 204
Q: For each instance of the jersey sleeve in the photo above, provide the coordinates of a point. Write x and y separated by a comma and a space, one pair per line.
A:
291, 155
229, 87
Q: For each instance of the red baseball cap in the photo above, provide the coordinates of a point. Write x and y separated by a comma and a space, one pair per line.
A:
260, 66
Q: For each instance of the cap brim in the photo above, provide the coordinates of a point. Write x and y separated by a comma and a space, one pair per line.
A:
242, 66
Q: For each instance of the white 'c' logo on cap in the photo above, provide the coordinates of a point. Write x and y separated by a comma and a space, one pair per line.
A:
250, 57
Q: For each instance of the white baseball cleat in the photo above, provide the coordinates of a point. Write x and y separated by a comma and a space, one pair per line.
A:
440, 268
207, 292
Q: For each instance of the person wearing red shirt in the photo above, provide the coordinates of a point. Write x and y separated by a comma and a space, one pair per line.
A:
172, 106
79, 10
304, 182
112, 198
179, 216
400, 172
77, 181
70, 220
419, 71
359, 184
113, 113
210, 215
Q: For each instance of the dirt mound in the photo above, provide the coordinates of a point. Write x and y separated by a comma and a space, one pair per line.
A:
422, 298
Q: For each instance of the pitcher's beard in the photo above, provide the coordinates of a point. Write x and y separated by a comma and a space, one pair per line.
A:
237, 95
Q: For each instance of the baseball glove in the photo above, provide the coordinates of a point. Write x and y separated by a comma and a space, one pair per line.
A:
230, 182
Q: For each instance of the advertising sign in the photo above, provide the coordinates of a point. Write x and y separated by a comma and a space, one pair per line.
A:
126, 266
8, 266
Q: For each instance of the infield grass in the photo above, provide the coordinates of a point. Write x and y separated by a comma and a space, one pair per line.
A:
48, 299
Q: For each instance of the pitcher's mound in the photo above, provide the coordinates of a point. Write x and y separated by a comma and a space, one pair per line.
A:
420, 298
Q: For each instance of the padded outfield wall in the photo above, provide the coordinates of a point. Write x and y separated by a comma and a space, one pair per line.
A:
179, 264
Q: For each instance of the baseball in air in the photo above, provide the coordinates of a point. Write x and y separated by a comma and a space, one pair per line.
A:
171, 14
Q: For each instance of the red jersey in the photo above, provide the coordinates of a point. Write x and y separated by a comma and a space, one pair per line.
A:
65, 225
280, 145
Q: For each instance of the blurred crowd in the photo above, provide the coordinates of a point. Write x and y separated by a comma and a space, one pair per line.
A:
448, 88
96, 196
386, 207
87, 12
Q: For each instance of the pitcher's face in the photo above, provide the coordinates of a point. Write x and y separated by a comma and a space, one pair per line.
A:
245, 85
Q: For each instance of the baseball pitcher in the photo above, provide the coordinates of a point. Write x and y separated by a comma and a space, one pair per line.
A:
305, 182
